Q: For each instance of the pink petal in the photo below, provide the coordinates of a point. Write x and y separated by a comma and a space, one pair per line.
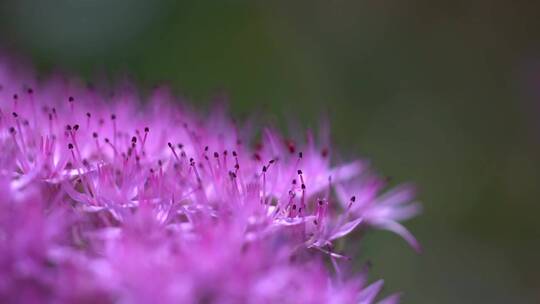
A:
368, 294
400, 230
392, 299
346, 228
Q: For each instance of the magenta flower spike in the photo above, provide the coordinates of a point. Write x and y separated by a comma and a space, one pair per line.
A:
105, 198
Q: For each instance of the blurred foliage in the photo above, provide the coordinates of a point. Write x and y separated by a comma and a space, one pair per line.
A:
442, 93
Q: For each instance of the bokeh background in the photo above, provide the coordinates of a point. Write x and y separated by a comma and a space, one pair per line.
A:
442, 93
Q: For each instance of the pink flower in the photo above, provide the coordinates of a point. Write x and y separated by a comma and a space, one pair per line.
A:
105, 198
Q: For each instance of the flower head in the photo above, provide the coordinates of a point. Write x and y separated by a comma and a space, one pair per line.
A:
105, 198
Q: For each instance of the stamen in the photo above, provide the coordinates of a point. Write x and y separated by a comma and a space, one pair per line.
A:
113, 118
352, 200
70, 100
174, 153
303, 187
15, 101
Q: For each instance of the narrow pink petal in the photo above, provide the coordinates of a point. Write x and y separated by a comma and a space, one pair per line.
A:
399, 195
368, 294
347, 171
346, 228
392, 299
400, 230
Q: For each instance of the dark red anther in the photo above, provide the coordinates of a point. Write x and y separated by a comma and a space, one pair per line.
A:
76, 127
353, 198
168, 144
88, 114
12, 130
206, 149
15, 96
300, 154
15, 114
264, 168
290, 145
95, 135
133, 139
299, 172
303, 186
234, 153
113, 116
70, 99
324, 152
216, 155
146, 129
30, 91
70, 146
68, 127
257, 156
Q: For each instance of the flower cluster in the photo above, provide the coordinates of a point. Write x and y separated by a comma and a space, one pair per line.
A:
105, 198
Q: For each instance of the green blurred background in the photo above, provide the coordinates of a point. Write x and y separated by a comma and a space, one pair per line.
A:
442, 93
